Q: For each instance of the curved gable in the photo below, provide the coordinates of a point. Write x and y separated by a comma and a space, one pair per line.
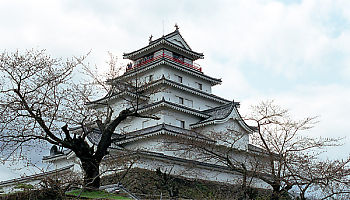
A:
222, 114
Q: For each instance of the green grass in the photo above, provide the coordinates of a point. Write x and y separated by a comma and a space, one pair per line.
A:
95, 194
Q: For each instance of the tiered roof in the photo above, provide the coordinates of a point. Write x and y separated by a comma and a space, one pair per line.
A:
161, 129
171, 105
170, 63
217, 113
221, 114
163, 81
168, 42
186, 88
171, 35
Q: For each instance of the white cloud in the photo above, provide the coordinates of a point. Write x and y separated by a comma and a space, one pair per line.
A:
285, 39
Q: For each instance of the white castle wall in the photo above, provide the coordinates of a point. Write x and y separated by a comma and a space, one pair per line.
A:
187, 79
229, 134
172, 117
197, 102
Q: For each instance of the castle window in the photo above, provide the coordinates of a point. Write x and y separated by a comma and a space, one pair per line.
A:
181, 123
179, 78
199, 86
150, 78
181, 100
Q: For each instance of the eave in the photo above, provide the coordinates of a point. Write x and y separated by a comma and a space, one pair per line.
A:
110, 97
169, 35
175, 65
187, 162
224, 119
163, 129
162, 43
186, 88
34, 177
174, 106
67, 155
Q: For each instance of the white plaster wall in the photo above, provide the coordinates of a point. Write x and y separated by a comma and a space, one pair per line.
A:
171, 117
153, 144
229, 134
187, 79
143, 77
63, 162
157, 73
137, 123
10, 187
158, 95
117, 104
199, 102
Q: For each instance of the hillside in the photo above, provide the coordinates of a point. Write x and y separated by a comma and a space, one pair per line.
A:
155, 185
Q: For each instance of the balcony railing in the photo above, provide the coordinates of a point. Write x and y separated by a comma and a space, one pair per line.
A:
162, 56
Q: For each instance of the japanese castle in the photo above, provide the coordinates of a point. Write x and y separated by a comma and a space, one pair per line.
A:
177, 91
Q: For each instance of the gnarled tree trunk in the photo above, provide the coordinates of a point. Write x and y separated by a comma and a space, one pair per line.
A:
91, 173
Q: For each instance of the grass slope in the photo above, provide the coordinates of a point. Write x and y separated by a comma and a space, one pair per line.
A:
95, 195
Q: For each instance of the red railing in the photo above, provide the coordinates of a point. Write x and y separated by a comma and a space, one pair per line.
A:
131, 67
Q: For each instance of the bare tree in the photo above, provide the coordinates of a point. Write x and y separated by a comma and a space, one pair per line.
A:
279, 154
40, 96
288, 151
225, 148
326, 179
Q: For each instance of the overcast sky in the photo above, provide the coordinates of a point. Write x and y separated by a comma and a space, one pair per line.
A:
293, 51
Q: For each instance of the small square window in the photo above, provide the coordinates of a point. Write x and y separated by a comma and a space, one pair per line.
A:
181, 123
181, 100
200, 86
179, 79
